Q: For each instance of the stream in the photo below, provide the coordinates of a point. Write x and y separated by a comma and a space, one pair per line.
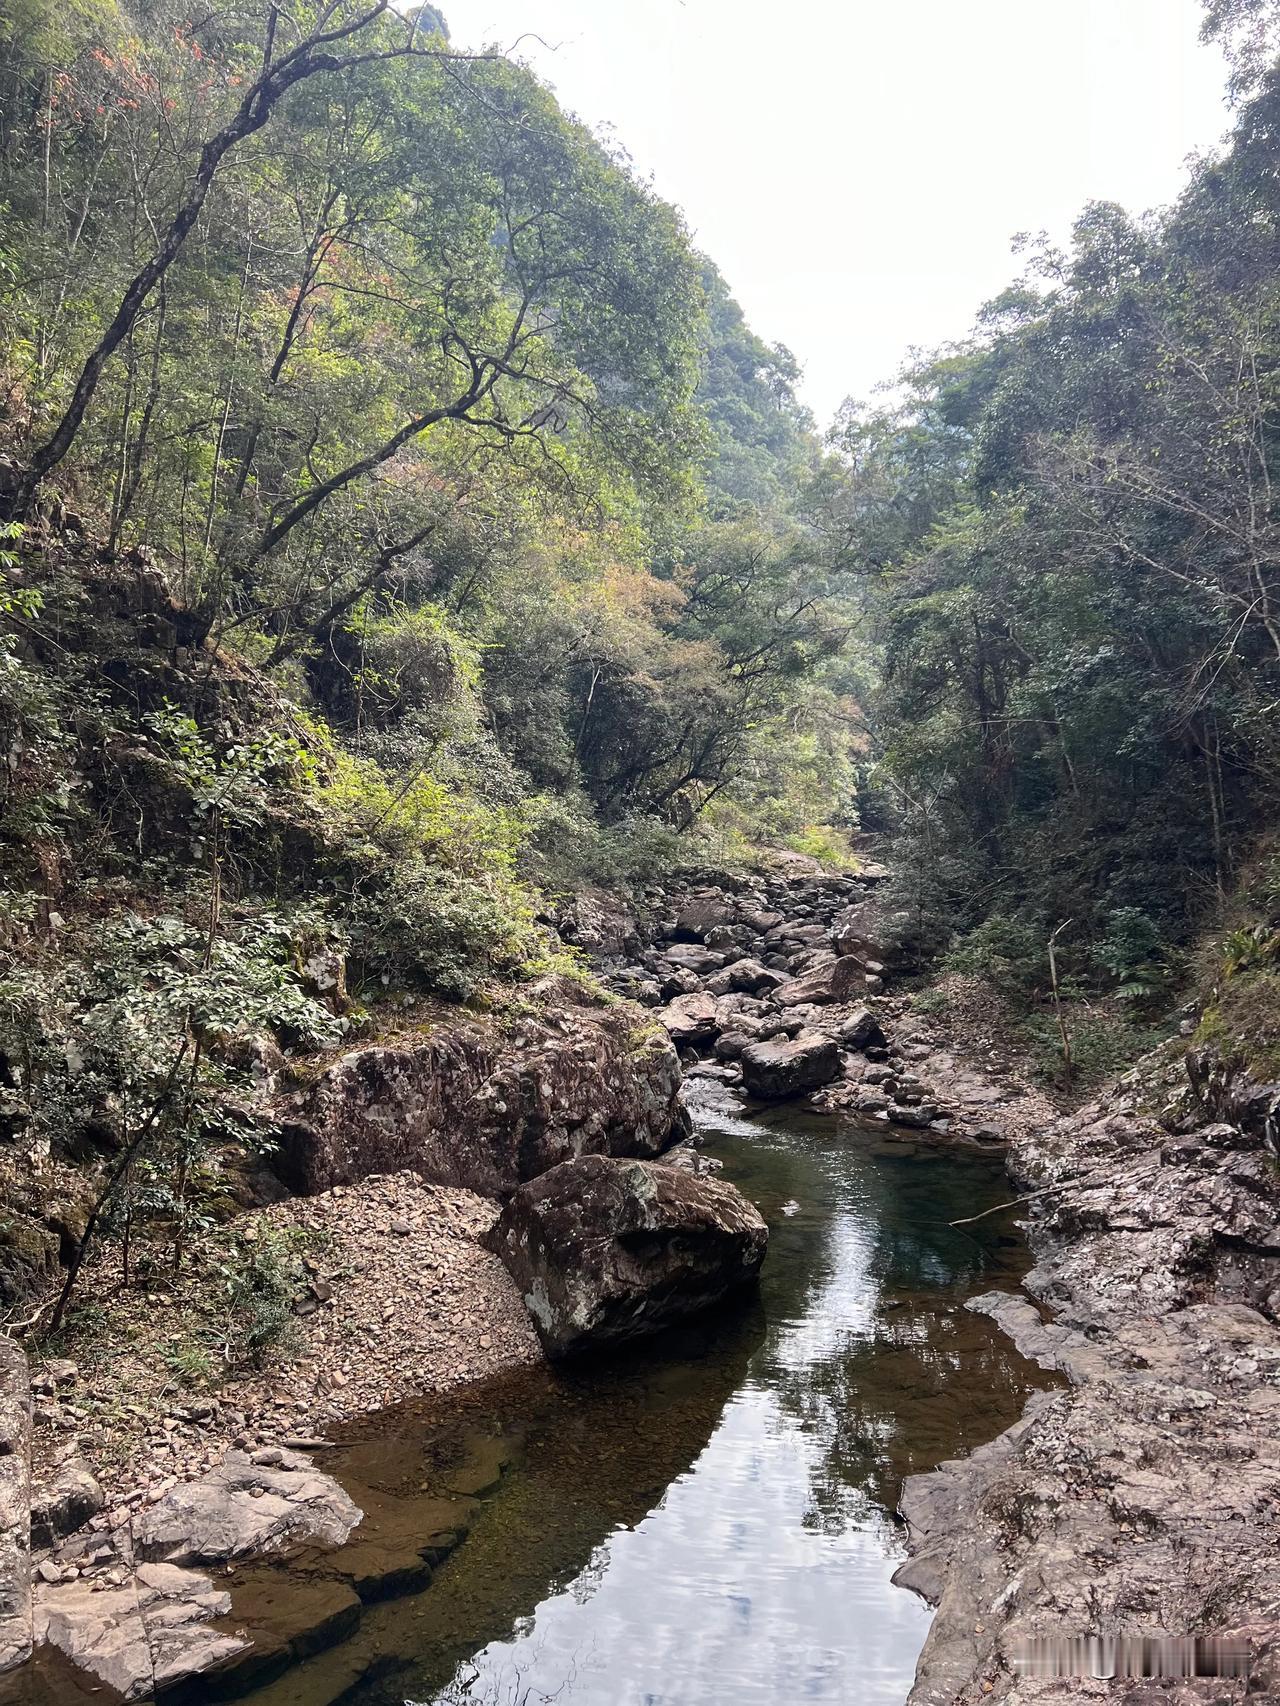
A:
710, 1519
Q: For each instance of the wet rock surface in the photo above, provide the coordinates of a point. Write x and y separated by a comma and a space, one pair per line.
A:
1145, 1500
604, 1251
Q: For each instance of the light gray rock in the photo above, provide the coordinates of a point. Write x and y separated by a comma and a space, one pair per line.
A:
65, 1502
246, 1507
150, 1632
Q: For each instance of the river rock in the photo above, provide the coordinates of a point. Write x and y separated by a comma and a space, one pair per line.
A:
862, 1030
691, 1021
147, 1633
875, 933
831, 980
15, 1506
788, 1066
701, 915
750, 977
606, 1250
465, 1106
247, 1506
688, 957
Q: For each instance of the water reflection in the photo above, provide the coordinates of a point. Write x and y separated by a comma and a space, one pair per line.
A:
711, 1521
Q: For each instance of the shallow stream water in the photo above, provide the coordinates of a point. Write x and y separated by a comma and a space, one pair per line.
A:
710, 1519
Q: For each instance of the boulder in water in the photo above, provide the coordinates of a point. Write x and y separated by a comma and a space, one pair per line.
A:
605, 1250
788, 1066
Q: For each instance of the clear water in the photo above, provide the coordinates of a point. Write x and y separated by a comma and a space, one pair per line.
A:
710, 1520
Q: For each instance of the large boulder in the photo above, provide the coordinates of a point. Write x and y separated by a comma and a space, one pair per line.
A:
750, 977
702, 914
606, 1250
691, 1021
687, 957
788, 1066
465, 1105
831, 980
246, 1507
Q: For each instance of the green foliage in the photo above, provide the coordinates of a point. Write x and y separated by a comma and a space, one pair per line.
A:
1101, 1046
1247, 949
190, 1361
435, 408
1135, 954
1009, 952
416, 922
822, 841
1079, 648
259, 1280
236, 780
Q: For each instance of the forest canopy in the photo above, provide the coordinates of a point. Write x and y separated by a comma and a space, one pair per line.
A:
425, 401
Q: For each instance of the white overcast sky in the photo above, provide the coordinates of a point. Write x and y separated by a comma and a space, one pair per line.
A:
856, 168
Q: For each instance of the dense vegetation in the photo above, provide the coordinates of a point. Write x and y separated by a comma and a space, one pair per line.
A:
1072, 526
402, 528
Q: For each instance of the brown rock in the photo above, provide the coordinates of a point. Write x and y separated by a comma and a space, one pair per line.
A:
691, 1021
464, 1107
833, 980
788, 1066
606, 1250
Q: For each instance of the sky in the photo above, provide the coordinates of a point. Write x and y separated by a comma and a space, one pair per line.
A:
858, 168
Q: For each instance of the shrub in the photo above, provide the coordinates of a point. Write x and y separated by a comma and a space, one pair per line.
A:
1008, 951
259, 1280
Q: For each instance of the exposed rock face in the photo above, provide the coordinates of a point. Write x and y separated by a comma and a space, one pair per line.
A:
691, 1020
1146, 1498
788, 1066
465, 1107
15, 1506
871, 931
145, 1634
65, 1502
247, 1506
1225, 1092
606, 1250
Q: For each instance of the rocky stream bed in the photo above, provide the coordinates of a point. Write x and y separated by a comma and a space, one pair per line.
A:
1142, 1497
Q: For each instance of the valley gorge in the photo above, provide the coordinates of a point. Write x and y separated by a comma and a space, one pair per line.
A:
639, 1020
